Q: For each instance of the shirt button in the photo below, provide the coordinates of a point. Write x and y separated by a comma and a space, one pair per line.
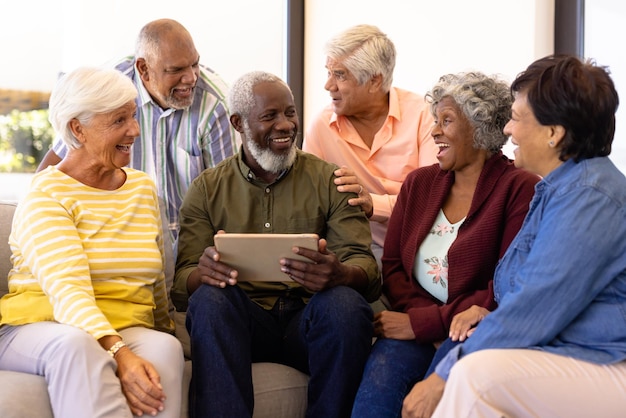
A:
267, 224
267, 190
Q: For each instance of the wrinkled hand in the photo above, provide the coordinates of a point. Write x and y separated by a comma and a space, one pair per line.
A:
423, 398
396, 325
140, 383
324, 272
214, 273
347, 181
464, 323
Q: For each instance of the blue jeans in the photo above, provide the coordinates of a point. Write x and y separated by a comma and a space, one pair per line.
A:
393, 368
329, 338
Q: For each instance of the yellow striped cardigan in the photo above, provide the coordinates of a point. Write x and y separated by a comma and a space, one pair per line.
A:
87, 257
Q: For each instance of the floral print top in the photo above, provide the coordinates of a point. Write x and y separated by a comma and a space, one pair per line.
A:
431, 261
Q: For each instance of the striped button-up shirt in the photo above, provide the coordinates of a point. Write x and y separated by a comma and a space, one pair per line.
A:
176, 145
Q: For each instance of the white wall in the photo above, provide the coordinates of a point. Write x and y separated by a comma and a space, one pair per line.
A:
44, 37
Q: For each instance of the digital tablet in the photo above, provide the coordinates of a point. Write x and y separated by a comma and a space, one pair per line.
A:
256, 256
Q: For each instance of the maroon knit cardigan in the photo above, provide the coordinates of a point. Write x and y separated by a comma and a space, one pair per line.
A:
499, 206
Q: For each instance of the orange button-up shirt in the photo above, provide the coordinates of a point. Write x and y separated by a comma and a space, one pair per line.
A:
401, 145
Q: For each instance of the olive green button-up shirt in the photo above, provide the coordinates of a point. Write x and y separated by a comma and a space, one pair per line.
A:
303, 200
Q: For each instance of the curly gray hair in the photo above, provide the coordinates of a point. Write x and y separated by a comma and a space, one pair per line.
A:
485, 101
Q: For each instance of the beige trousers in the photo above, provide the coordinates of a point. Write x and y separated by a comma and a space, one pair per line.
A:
532, 383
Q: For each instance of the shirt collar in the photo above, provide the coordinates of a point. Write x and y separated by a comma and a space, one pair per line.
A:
394, 105
562, 171
143, 97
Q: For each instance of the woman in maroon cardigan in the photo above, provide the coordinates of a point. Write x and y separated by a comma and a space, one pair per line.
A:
451, 224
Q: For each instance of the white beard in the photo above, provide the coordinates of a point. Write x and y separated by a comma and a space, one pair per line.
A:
268, 160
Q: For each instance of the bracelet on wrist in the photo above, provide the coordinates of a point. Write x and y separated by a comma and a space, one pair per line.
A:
115, 348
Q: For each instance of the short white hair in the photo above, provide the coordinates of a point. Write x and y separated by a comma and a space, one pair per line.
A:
365, 51
241, 98
84, 93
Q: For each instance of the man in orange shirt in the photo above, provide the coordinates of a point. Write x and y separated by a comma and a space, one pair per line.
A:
376, 133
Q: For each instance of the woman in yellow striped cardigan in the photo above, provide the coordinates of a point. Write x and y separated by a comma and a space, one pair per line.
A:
87, 297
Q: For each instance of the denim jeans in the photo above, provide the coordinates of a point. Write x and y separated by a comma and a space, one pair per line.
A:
329, 338
392, 369
441, 352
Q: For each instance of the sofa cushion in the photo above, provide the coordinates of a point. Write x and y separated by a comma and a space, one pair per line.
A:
6, 217
181, 333
29, 401
279, 391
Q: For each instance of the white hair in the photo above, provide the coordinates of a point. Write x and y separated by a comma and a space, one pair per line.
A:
84, 93
241, 94
365, 51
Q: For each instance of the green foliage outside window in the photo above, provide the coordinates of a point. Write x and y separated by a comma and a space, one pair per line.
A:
25, 137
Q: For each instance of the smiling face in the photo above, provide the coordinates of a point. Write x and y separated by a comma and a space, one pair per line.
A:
536, 144
348, 98
269, 133
454, 135
108, 137
171, 77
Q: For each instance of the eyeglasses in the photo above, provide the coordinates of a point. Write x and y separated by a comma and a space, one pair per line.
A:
339, 75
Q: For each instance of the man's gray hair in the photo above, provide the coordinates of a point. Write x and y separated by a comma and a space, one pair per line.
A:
241, 94
148, 43
366, 52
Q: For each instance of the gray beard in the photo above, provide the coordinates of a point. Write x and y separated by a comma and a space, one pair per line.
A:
174, 103
269, 161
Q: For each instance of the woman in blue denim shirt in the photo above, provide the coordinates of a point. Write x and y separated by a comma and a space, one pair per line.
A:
556, 344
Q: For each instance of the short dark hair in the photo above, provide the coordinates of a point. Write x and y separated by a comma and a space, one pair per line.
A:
578, 95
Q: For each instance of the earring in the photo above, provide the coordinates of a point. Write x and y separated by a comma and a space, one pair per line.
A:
551, 143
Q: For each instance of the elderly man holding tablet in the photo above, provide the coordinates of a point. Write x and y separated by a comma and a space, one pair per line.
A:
316, 317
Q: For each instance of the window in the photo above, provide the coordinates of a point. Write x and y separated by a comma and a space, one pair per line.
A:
604, 31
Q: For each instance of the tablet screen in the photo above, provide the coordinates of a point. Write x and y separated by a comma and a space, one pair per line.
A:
256, 256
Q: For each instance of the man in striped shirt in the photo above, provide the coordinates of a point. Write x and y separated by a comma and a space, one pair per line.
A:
181, 110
